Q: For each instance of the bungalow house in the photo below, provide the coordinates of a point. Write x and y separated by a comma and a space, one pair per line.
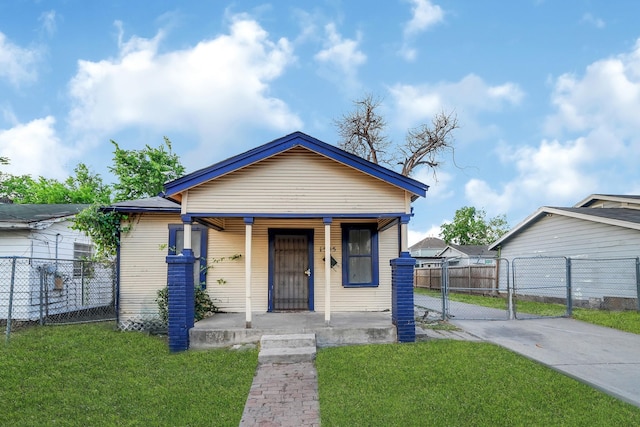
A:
41, 272
594, 245
462, 255
293, 225
426, 252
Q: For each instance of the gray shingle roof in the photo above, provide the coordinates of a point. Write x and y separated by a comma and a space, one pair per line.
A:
151, 204
622, 214
18, 213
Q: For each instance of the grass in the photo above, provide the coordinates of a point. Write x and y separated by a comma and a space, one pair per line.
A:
453, 383
86, 375
628, 321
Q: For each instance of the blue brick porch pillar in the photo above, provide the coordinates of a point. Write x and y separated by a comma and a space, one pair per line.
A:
181, 299
402, 297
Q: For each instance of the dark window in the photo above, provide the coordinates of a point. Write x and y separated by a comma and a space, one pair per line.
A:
359, 255
198, 246
81, 256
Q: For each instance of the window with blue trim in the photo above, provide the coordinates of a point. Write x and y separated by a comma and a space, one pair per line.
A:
198, 246
359, 255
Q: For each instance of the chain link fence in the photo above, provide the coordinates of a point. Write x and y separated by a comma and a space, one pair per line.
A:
504, 290
54, 291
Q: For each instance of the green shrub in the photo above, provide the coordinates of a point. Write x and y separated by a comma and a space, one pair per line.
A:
203, 306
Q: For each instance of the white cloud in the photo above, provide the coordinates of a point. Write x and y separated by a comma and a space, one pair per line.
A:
552, 173
607, 95
218, 88
340, 58
414, 236
424, 14
439, 185
48, 20
417, 104
34, 149
593, 20
18, 64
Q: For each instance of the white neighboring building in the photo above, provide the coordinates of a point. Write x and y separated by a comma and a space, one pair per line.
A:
38, 275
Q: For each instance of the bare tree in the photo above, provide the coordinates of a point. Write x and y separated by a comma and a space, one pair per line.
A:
362, 133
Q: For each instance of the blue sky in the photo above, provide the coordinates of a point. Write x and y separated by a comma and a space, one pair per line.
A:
547, 93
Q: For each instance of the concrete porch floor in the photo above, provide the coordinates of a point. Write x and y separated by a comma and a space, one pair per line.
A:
227, 329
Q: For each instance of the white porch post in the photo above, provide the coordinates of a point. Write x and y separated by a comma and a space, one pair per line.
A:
404, 237
327, 270
186, 224
247, 269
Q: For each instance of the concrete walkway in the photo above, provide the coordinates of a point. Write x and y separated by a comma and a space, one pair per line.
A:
604, 358
283, 395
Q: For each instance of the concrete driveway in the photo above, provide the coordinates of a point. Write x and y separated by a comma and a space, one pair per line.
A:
604, 358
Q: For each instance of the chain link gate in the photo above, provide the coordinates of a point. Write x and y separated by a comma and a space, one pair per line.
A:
460, 287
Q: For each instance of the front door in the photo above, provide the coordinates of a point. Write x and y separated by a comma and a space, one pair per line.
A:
290, 270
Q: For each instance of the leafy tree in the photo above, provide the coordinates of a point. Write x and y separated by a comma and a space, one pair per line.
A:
83, 187
470, 227
362, 132
142, 173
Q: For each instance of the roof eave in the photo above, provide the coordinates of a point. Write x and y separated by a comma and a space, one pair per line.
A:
416, 188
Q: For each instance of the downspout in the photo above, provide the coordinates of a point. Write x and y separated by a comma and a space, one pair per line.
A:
116, 303
57, 235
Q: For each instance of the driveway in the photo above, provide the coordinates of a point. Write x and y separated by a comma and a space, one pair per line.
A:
460, 310
604, 358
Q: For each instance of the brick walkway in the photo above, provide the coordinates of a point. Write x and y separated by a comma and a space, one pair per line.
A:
283, 395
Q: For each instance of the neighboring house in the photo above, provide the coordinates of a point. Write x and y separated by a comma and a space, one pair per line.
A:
315, 229
426, 252
462, 255
600, 226
597, 228
37, 249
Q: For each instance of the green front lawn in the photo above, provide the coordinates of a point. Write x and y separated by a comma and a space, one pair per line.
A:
453, 383
92, 375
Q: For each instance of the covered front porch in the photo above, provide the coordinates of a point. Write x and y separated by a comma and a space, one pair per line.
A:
346, 328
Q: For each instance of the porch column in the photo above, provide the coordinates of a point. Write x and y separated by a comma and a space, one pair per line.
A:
181, 299
327, 270
247, 269
186, 221
404, 234
402, 313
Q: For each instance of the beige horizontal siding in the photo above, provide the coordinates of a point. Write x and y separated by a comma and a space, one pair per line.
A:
143, 268
297, 181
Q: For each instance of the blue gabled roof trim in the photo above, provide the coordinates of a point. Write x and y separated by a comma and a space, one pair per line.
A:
283, 144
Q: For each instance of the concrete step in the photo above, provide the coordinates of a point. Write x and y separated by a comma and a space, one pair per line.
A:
288, 341
289, 348
287, 355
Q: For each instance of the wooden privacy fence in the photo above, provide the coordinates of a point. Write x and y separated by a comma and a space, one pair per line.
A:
475, 279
